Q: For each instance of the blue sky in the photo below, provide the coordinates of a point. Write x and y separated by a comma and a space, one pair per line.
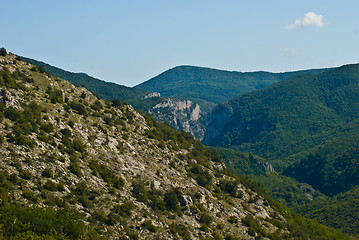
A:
129, 42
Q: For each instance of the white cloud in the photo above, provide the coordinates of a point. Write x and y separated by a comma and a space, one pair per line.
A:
310, 19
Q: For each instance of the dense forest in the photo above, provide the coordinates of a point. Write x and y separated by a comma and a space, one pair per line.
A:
307, 128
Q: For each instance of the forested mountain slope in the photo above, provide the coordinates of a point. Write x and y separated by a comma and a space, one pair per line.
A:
289, 117
212, 85
307, 127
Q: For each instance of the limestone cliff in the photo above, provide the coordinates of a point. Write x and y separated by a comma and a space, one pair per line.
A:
180, 115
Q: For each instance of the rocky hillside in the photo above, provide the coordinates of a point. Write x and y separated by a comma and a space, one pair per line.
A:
74, 166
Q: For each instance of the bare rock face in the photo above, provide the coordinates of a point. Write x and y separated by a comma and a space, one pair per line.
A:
7, 99
180, 115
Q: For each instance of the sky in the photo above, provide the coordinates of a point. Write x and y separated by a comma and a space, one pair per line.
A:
129, 42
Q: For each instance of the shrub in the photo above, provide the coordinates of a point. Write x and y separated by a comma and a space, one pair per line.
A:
112, 219
217, 236
233, 219
2, 139
47, 173
71, 123
107, 175
171, 199
28, 194
41, 69
50, 185
139, 191
116, 103
97, 106
18, 222
149, 226
3, 52
75, 169
27, 175
47, 127
80, 108
125, 209
202, 176
229, 187
205, 218
78, 145
181, 230
55, 96
13, 178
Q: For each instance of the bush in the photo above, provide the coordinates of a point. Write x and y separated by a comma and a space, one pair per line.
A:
47, 127
205, 218
47, 173
171, 199
20, 222
27, 175
202, 176
107, 175
125, 209
78, 145
181, 230
56, 96
75, 169
139, 191
3, 52
233, 219
81, 109
97, 106
50, 185
149, 226
13, 178
116, 103
28, 194
229, 187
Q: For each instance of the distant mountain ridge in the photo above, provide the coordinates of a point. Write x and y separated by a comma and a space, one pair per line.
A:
213, 85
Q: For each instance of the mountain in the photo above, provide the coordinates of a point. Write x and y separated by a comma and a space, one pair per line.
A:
204, 88
104, 89
176, 86
75, 166
340, 211
289, 117
164, 110
307, 128
212, 85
